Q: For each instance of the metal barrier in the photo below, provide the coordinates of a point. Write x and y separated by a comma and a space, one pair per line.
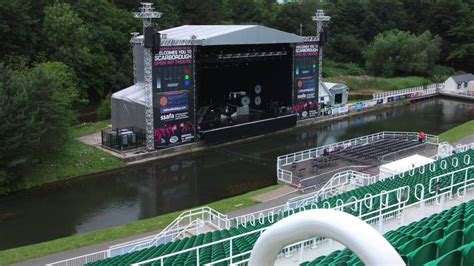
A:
285, 160
334, 186
384, 211
377, 215
418, 91
81, 260
186, 221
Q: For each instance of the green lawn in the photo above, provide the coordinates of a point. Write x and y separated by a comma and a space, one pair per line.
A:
74, 159
156, 223
458, 133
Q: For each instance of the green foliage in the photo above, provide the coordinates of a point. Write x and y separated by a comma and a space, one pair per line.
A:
105, 108
334, 69
439, 73
36, 109
403, 54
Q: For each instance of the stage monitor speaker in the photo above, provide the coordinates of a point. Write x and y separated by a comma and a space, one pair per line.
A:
149, 34
324, 35
245, 100
258, 101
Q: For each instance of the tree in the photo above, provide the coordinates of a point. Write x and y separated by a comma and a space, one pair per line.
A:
16, 29
245, 11
291, 15
401, 53
52, 95
68, 40
345, 48
36, 109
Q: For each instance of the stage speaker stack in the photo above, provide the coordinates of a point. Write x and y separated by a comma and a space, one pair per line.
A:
258, 99
152, 39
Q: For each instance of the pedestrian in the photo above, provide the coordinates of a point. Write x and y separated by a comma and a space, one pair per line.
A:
437, 189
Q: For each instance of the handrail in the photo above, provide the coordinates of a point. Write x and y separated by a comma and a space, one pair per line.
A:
328, 185
169, 232
429, 89
383, 211
366, 201
285, 160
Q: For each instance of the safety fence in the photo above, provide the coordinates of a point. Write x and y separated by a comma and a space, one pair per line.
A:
122, 139
381, 209
408, 93
376, 216
191, 220
287, 177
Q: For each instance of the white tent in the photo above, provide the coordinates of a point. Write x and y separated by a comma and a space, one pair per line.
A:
403, 165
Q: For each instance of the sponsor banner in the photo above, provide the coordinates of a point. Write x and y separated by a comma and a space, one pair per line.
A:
307, 49
173, 102
172, 69
173, 96
176, 55
306, 109
174, 134
305, 90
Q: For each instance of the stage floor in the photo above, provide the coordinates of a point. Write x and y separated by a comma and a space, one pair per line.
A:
314, 173
248, 128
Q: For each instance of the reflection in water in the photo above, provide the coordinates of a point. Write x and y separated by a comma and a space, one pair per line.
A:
146, 190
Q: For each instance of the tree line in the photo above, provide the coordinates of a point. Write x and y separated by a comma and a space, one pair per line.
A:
58, 55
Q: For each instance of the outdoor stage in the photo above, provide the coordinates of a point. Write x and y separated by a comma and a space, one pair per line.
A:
218, 83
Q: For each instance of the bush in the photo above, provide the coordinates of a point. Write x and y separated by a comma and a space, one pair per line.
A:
105, 108
440, 73
333, 69
399, 53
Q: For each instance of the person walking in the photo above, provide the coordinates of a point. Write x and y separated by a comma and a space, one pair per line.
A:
437, 189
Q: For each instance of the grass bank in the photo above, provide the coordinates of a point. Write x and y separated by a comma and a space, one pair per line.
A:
458, 133
74, 159
148, 225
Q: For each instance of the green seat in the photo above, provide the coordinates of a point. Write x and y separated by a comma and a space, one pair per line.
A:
453, 258
450, 242
410, 245
469, 234
468, 254
423, 254
456, 225
435, 235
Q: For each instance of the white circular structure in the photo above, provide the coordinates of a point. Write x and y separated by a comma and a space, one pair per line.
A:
350, 231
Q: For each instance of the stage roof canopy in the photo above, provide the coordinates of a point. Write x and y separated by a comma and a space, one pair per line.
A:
208, 35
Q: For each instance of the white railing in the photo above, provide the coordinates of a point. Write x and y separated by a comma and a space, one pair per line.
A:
174, 229
220, 219
412, 92
185, 222
81, 260
285, 160
318, 151
340, 182
376, 216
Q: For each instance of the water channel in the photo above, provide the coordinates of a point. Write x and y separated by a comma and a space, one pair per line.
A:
147, 190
